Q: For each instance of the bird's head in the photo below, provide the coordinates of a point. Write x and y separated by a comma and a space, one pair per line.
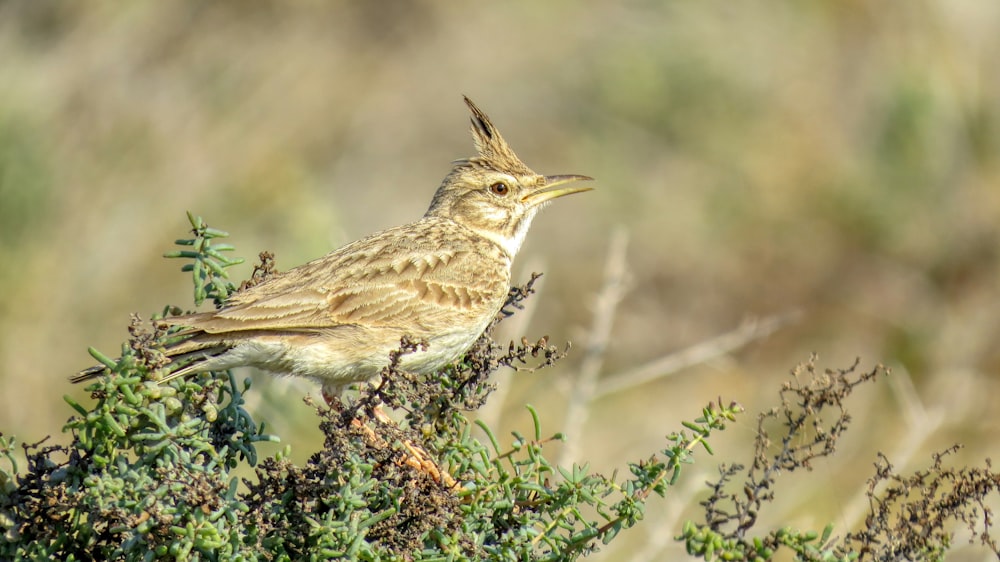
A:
494, 193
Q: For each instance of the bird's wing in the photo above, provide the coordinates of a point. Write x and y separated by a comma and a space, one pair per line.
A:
394, 278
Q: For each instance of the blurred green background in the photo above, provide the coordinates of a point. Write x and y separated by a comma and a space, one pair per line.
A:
836, 158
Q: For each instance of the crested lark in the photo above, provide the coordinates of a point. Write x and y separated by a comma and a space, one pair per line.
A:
441, 279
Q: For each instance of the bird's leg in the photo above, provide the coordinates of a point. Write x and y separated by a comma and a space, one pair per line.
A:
331, 399
331, 395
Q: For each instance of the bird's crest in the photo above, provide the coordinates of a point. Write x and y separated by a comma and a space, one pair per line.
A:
494, 152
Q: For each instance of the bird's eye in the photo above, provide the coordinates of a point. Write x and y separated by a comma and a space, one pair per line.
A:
500, 188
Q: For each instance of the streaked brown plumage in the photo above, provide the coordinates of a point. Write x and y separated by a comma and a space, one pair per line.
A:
441, 279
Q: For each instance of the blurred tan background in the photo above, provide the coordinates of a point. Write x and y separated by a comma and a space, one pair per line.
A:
838, 159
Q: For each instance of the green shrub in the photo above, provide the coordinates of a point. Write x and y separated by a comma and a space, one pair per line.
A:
149, 472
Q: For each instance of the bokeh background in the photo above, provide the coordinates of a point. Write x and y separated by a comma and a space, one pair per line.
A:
836, 161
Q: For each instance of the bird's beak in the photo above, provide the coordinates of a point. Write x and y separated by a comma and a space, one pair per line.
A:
550, 189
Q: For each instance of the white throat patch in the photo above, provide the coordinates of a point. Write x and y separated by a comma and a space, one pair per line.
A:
511, 245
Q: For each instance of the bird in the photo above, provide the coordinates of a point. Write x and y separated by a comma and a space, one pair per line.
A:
441, 280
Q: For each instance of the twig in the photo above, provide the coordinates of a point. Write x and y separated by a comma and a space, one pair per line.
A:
584, 384
664, 546
697, 353
922, 424
492, 411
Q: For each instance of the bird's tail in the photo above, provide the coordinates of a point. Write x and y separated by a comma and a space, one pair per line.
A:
88, 373
186, 357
